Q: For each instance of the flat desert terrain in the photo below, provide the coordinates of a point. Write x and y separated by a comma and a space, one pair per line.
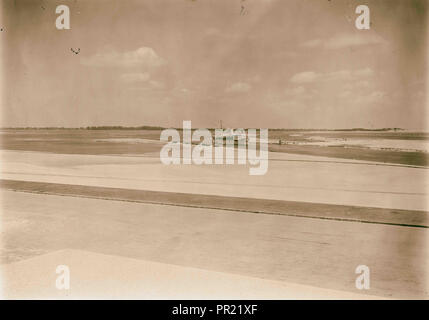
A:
318, 213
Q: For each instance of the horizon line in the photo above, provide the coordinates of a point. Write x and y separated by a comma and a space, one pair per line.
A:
147, 127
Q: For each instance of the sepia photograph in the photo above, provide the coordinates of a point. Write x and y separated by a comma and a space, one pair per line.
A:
236, 150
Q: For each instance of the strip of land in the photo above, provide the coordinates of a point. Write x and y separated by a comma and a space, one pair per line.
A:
411, 158
409, 218
289, 177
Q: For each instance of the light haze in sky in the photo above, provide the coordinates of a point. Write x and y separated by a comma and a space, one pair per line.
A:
252, 63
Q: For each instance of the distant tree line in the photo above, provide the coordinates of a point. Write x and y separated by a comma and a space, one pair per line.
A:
161, 128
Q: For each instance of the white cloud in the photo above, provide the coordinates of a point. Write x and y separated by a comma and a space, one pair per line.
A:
337, 75
304, 77
142, 57
239, 87
156, 84
373, 97
343, 75
145, 86
349, 75
363, 84
344, 41
364, 72
135, 77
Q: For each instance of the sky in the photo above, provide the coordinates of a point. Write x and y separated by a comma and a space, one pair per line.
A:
249, 63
